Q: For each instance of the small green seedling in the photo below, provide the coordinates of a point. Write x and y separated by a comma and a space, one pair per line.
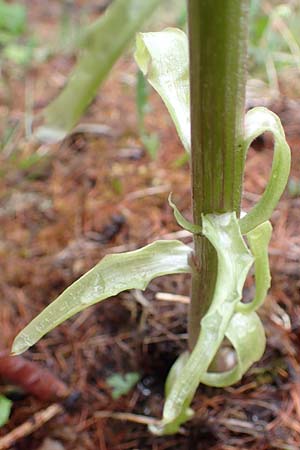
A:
122, 384
201, 79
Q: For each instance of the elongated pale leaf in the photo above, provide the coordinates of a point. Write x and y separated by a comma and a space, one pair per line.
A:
163, 57
105, 41
257, 121
234, 261
114, 274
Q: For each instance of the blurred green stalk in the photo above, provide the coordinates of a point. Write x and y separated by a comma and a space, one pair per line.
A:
102, 44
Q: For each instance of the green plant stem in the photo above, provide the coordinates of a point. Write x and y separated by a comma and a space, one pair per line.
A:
218, 46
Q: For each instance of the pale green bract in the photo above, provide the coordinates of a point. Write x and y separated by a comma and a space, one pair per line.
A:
258, 240
234, 262
103, 43
227, 317
247, 336
182, 221
245, 331
112, 275
257, 121
163, 58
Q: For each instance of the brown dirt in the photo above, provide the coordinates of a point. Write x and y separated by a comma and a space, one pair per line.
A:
94, 195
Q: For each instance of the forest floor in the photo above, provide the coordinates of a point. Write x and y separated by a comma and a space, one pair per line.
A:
63, 207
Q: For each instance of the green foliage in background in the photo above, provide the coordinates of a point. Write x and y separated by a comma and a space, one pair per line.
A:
12, 19
101, 46
274, 38
14, 45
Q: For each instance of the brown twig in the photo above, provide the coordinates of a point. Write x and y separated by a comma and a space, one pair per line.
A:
127, 417
28, 427
168, 297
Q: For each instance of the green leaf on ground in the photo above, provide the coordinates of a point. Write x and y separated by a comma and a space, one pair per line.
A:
122, 384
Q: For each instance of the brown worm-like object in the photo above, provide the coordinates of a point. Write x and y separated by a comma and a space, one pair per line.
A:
31, 377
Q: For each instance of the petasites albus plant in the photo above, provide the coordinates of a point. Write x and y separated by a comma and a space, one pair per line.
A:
201, 79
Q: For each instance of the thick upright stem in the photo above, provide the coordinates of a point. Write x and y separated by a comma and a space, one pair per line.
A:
218, 46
